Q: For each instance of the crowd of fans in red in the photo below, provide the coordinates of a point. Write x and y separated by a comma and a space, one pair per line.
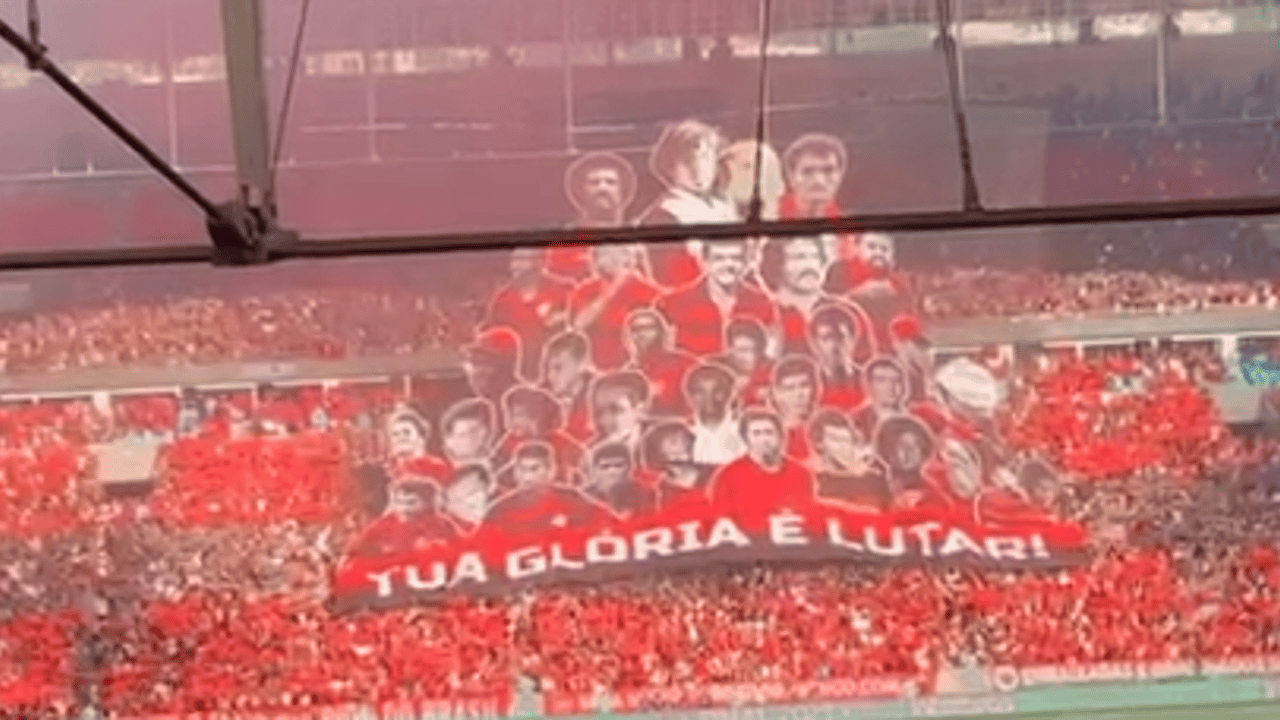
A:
208, 593
226, 600
211, 650
334, 324
983, 292
1114, 416
330, 324
37, 655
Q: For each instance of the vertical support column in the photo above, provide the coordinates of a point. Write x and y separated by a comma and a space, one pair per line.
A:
1162, 65
246, 82
962, 81
171, 87
372, 66
567, 38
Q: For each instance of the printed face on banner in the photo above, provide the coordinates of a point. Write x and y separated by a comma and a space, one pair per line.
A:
804, 265
600, 186
886, 383
603, 187
739, 181
407, 500
407, 436
815, 168
876, 250
726, 263
467, 497
702, 166
764, 441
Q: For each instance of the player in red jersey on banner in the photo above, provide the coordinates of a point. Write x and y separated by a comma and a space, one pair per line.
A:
886, 395
611, 481
814, 165
534, 416
665, 368
847, 472
600, 306
532, 304
700, 312
683, 485
765, 480
492, 363
465, 500
871, 280
909, 452
411, 522
794, 396
541, 501
567, 375
746, 356
835, 336
468, 431
794, 269
619, 408
407, 437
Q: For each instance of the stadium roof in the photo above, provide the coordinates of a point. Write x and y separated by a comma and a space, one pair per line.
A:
448, 118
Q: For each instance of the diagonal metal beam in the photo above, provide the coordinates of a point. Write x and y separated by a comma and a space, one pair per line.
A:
37, 59
957, 220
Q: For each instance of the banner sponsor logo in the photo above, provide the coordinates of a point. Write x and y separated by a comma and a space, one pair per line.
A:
1009, 679
756, 694
1242, 665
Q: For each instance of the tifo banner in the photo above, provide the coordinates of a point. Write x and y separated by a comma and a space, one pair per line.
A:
635, 408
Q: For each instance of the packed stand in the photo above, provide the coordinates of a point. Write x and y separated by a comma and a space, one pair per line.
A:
332, 324
37, 672
1119, 415
797, 626
218, 651
981, 292
323, 324
206, 601
44, 467
735, 627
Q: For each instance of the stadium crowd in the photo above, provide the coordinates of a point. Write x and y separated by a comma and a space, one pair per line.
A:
324, 324
333, 324
982, 292
197, 587
206, 589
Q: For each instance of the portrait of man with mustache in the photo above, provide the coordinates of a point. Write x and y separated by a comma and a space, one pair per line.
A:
601, 187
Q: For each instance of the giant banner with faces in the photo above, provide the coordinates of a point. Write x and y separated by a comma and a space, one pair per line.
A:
636, 409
